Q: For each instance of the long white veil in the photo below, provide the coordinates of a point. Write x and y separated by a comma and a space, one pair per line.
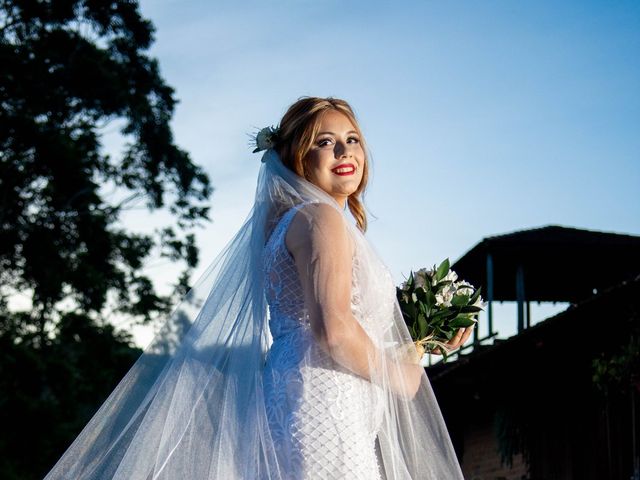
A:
192, 405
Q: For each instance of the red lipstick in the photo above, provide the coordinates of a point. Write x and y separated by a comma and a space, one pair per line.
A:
344, 169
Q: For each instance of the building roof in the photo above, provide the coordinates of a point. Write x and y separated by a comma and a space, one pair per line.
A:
560, 264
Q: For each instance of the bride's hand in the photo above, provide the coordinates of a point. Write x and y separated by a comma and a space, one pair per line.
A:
458, 339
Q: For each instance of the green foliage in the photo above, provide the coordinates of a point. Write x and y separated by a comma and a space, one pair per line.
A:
442, 270
619, 370
70, 69
511, 431
72, 72
48, 392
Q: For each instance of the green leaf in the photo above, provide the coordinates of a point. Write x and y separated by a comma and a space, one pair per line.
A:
441, 284
475, 295
444, 355
430, 298
410, 308
470, 309
445, 314
443, 269
460, 300
422, 322
443, 334
421, 294
461, 321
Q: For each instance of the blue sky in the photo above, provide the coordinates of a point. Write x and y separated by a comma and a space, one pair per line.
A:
482, 117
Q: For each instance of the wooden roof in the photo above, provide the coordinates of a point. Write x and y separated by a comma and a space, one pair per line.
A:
561, 264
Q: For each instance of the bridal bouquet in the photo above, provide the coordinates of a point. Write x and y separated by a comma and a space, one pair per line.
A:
435, 306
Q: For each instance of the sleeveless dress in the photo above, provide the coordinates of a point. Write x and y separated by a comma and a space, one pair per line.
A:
323, 418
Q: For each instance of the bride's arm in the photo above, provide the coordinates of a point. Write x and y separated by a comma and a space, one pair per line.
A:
323, 252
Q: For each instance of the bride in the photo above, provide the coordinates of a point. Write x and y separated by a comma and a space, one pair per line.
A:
289, 358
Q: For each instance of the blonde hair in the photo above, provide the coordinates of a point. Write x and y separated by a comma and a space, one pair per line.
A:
298, 129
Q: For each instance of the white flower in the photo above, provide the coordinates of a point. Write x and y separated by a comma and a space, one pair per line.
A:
444, 297
464, 288
266, 138
451, 275
439, 299
450, 289
480, 303
424, 272
420, 278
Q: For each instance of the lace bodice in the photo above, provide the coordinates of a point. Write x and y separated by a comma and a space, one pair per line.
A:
282, 284
284, 291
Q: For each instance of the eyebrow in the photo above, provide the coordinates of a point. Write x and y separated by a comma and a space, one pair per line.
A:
332, 133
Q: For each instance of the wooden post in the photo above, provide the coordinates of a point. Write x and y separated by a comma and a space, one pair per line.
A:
520, 297
489, 293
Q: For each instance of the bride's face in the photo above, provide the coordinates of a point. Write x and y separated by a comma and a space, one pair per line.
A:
336, 159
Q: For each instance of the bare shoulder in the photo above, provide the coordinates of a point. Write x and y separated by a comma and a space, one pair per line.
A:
317, 223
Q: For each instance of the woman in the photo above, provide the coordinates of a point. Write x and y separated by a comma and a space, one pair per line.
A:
324, 376
289, 359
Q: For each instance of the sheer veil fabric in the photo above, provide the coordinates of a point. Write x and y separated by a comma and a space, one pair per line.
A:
193, 405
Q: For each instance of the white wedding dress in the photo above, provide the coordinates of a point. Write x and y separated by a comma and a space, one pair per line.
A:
220, 393
323, 418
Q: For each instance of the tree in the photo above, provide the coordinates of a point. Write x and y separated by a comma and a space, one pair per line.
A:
70, 69
48, 392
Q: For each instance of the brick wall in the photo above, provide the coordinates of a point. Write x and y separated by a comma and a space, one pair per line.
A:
481, 459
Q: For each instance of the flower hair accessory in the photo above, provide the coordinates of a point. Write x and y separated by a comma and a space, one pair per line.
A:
265, 138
